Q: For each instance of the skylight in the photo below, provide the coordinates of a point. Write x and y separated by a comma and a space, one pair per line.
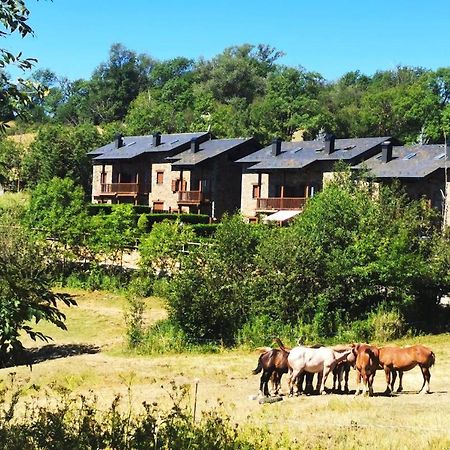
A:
131, 143
440, 156
349, 147
296, 150
174, 142
409, 156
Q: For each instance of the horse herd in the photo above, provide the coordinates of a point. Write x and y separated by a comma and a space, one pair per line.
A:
303, 362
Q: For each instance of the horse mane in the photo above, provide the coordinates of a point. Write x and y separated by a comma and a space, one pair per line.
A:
281, 345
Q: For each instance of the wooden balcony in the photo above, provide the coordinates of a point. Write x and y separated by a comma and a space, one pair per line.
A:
119, 189
279, 203
191, 197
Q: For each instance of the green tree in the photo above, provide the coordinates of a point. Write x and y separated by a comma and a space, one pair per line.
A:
161, 250
26, 294
11, 155
112, 234
57, 210
116, 83
209, 296
14, 96
61, 151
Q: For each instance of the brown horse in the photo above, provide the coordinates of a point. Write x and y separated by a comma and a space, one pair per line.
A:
402, 359
273, 364
367, 363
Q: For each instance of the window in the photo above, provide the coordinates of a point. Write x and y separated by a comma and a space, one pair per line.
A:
159, 177
158, 206
255, 191
179, 185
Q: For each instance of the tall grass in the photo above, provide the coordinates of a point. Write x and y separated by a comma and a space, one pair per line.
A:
64, 421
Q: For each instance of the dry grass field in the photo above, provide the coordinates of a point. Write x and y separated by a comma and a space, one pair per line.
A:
92, 356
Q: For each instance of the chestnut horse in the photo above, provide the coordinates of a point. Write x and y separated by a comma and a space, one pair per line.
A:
402, 359
366, 364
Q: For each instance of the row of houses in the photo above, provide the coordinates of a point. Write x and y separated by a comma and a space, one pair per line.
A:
194, 172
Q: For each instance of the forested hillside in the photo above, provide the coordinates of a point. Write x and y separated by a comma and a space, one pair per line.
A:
243, 91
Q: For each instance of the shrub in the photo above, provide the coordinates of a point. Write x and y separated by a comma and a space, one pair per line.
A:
386, 325
65, 421
99, 208
205, 229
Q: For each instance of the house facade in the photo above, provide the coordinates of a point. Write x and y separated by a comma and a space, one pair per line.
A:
133, 169
420, 169
284, 175
190, 172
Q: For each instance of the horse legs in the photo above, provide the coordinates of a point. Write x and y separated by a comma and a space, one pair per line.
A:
370, 382
326, 371
387, 372
346, 375
358, 382
394, 376
426, 380
319, 380
293, 379
264, 383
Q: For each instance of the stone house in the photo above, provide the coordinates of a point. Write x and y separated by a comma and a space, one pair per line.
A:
420, 169
282, 176
188, 172
133, 169
213, 179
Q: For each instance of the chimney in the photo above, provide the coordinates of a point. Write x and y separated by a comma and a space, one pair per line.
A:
276, 146
156, 139
386, 151
329, 143
118, 140
195, 145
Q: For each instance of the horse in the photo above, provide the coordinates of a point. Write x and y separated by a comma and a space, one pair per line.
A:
366, 364
401, 359
273, 364
342, 369
320, 360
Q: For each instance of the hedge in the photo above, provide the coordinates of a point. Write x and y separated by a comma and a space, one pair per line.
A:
205, 229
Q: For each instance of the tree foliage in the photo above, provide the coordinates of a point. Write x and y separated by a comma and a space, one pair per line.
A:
26, 295
14, 96
357, 249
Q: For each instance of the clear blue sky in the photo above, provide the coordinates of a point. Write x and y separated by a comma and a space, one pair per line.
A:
332, 37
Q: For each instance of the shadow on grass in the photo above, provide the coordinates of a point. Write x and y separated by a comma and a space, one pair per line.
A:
32, 356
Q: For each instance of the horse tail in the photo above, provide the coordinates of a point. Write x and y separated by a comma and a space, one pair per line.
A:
280, 344
432, 359
259, 367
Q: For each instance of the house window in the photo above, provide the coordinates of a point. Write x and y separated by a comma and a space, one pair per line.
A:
179, 185
158, 206
159, 177
256, 191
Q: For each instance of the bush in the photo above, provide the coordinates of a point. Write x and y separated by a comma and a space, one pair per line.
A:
386, 325
99, 208
191, 219
65, 421
204, 229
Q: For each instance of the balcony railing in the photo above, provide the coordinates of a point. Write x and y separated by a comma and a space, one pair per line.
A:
119, 188
191, 197
277, 203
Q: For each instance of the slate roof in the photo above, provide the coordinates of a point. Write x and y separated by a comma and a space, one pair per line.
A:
138, 145
417, 161
207, 150
296, 155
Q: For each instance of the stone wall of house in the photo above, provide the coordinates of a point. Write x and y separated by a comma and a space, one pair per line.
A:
248, 203
164, 192
97, 170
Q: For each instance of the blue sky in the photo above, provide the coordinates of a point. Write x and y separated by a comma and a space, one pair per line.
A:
72, 37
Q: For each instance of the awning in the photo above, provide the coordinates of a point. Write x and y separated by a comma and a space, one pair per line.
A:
282, 216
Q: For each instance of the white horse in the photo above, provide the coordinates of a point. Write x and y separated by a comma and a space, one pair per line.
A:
320, 360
